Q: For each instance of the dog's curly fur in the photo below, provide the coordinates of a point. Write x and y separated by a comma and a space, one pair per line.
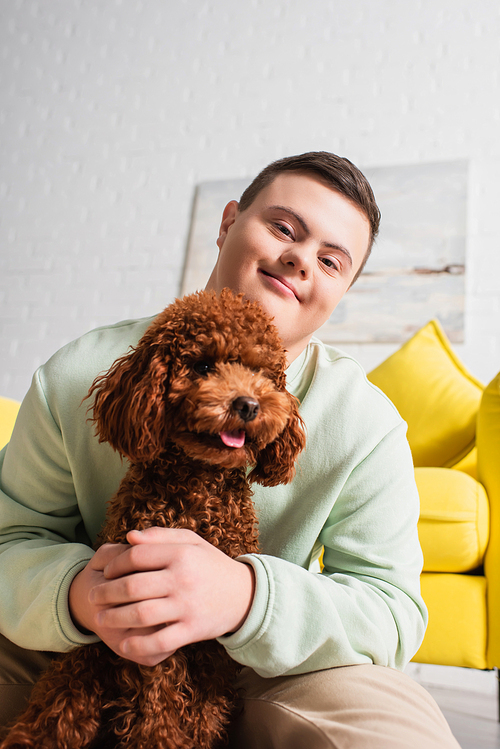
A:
209, 365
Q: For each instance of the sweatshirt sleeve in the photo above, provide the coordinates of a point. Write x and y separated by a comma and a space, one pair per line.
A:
55, 481
365, 606
42, 543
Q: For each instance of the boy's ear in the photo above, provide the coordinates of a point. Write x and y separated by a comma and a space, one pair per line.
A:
228, 217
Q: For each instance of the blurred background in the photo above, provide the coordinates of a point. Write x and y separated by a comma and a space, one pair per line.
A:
112, 111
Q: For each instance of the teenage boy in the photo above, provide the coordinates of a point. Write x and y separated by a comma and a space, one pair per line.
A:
323, 652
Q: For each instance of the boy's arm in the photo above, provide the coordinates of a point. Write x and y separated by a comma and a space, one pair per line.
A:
365, 606
53, 458
40, 530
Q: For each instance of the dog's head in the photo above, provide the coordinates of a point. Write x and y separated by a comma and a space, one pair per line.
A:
208, 375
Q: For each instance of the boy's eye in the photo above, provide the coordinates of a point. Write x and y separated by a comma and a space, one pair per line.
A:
284, 230
202, 367
329, 263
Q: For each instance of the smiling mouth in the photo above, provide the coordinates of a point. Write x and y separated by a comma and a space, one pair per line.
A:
280, 283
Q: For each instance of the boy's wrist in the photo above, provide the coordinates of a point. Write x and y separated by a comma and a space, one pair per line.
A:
247, 591
76, 595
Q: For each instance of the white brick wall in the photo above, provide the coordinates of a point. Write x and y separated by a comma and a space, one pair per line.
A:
112, 111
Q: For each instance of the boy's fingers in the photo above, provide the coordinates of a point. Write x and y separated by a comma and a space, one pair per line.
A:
158, 645
108, 553
148, 558
131, 588
157, 535
139, 615
105, 554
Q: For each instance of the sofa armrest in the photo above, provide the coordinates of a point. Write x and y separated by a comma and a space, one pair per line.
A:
488, 469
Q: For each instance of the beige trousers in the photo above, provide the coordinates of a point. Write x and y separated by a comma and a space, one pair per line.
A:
350, 707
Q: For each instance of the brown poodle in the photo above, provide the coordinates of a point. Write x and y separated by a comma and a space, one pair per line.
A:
201, 398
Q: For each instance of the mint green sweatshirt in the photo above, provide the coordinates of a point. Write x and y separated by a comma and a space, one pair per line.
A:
354, 494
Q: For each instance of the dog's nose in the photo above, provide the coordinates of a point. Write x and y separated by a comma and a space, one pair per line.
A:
246, 407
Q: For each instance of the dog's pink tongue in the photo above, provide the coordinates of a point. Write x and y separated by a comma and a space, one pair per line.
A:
233, 439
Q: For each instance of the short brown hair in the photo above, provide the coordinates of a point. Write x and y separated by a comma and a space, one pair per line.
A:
339, 173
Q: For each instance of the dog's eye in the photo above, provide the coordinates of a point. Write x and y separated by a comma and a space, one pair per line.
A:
202, 367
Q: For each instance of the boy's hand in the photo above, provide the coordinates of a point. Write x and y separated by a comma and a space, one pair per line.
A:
167, 589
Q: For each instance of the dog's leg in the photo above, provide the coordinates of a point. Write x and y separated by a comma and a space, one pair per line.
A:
186, 701
157, 703
182, 703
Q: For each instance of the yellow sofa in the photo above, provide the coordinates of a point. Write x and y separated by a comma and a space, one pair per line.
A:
454, 434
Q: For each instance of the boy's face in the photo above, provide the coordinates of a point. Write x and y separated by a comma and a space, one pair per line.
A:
295, 249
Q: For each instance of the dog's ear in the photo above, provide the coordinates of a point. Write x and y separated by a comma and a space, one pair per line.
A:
129, 402
276, 462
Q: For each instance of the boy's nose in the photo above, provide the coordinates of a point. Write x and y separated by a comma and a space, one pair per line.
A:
298, 260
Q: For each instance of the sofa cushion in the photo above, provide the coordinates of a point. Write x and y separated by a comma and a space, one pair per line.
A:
454, 520
435, 395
